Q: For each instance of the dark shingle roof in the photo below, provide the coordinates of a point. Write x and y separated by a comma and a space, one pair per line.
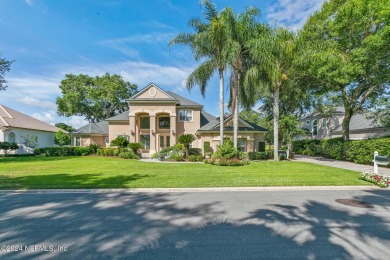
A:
121, 117
93, 128
213, 125
205, 118
183, 101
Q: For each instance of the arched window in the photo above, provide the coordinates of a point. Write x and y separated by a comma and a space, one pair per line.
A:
11, 137
107, 140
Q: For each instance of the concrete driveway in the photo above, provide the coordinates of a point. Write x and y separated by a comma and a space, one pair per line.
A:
341, 164
280, 223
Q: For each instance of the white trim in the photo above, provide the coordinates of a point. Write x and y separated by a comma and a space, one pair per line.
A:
239, 119
148, 87
192, 115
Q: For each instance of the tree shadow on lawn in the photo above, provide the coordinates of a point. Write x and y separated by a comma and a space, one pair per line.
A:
68, 181
28, 159
165, 226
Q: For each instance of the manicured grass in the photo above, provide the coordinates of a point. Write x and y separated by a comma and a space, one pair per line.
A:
103, 172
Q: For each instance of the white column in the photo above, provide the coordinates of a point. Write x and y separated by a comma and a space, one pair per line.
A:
375, 164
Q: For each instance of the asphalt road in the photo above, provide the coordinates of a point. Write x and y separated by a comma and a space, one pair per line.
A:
289, 224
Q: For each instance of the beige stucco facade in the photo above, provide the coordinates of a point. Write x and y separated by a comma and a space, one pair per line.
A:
156, 118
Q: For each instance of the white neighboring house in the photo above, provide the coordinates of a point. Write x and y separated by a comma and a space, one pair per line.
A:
15, 125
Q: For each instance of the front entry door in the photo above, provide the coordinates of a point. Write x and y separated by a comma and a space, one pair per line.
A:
164, 141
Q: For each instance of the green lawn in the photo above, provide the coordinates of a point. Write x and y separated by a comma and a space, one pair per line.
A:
103, 172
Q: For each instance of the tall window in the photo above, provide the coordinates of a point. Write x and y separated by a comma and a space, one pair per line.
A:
145, 122
185, 115
145, 140
315, 127
164, 122
241, 145
11, 137
324, 123
77, 141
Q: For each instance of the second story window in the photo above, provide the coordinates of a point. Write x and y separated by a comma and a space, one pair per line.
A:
145, 122
164, 122
185, 115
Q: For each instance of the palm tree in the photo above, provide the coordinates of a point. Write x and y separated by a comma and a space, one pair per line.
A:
242, 28
272, 55
186, 140
207, 44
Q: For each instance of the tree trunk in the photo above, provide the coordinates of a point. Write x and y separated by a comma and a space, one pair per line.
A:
276, 122
221, 106
235, 115
345, 124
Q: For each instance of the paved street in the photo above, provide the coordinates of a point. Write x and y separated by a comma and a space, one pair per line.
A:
301, 224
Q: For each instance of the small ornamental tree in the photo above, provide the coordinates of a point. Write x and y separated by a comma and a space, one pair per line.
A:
61, 138
186, 140
7, 147
31, 141
136, 147
120, 142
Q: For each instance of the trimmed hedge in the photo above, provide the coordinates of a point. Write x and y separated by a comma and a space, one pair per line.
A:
358, 151
259, 155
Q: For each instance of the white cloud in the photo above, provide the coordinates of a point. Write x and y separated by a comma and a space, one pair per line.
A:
137, 72
48, 117
122, 44
75, 121
293, 13
29, 2
36, 102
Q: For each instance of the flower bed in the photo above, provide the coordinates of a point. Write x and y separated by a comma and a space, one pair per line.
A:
382, 181
227, 162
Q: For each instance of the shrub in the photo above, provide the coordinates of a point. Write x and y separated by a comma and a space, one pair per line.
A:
136, 147
282, 157
178, 158
39, 151
93, 148
8, 146
192, 158
82, 151
226, 151
259, 155
199, 158
362, 151
120, 142
333, 148
195, 151
127, 155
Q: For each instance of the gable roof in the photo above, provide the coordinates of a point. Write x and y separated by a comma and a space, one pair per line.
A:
93, 128
12, 118
120, 117
170, 97
184, 101
213, 125
147, 88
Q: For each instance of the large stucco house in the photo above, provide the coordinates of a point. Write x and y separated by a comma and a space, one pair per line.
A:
15, 126
156, 118
320, 126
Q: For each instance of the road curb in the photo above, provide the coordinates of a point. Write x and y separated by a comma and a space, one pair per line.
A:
216, 189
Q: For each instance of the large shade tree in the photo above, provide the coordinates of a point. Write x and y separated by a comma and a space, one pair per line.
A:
345, 54
208, 45
95, 98
271, 61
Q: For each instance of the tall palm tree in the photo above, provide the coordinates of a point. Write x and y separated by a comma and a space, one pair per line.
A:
207, 44
242, 29
272, 55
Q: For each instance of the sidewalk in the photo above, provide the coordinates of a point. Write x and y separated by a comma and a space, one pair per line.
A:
341, 164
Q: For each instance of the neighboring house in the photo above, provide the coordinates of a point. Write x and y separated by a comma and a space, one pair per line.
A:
15, 125
321, 126
157, 117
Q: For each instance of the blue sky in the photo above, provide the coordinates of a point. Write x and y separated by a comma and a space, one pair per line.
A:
50, 38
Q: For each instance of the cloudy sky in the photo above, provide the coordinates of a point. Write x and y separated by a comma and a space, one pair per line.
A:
50, 38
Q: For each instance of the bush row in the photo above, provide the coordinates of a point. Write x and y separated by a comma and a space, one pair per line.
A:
195, 158
64, 151
358, 151
259, 155
118, 152
227, 162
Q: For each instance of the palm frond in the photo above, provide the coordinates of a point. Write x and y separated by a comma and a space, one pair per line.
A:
201, 75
